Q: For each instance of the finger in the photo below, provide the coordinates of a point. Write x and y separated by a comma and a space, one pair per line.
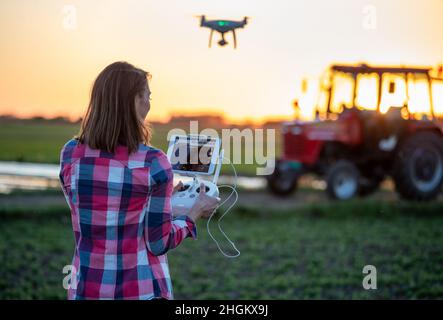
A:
207, 214
176, 188
202, 188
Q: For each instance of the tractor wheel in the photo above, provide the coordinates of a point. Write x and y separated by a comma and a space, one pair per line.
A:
369, 185
342, 180
418, 167
283, 181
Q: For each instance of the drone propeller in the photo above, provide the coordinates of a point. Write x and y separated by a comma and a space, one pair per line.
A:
202, 18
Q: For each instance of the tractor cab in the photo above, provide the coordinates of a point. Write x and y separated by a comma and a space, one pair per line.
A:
405, 91
362, 117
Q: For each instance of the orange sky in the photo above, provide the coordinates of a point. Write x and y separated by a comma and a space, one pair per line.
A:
47, 69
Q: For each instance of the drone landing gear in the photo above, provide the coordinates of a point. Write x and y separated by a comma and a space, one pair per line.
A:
210, 37
235, 39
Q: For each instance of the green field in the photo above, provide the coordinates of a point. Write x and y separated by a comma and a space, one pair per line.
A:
316, 251
40, 141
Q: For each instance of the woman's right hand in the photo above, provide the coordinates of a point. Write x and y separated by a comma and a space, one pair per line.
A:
204, 205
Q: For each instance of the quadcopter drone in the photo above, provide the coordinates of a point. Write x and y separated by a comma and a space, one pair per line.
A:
222, 26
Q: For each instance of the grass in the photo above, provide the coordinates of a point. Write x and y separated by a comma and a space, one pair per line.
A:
37, 141
316, 251
41, 141
34, 142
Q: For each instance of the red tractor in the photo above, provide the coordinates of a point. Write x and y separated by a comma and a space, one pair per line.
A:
355, 148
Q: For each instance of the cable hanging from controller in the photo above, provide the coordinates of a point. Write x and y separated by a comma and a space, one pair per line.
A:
234, 191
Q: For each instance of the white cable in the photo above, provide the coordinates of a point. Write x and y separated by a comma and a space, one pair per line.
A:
234, 191
235, 172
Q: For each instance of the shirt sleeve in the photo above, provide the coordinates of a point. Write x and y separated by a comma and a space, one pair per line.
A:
65, 159
163, 233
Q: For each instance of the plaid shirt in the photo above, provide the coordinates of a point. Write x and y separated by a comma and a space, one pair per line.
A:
122, 221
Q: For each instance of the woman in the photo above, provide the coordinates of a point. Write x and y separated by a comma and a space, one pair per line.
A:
119, 191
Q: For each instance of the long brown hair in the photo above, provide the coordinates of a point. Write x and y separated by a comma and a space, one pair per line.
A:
111, 118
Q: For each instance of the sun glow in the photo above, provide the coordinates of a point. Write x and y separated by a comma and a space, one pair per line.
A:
48, 65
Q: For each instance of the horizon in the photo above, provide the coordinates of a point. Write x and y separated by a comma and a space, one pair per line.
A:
197, 116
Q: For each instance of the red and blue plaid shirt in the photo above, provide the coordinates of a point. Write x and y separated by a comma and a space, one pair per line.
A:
121, 216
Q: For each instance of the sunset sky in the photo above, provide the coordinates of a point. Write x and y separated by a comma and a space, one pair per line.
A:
48, 64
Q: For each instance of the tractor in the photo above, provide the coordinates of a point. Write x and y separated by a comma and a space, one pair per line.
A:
354, 146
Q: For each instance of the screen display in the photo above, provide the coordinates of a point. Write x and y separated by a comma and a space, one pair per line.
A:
192, 154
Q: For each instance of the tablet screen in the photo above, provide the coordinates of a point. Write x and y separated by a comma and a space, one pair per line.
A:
193, 154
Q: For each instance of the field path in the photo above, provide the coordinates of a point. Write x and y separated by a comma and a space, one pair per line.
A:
250, 199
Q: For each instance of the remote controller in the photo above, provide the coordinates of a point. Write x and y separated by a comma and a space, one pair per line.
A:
185, 198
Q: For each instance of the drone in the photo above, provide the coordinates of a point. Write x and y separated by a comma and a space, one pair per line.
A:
222, 26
